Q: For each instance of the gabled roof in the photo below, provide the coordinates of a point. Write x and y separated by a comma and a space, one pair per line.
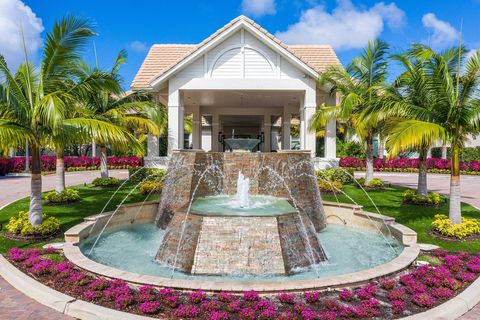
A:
162, 58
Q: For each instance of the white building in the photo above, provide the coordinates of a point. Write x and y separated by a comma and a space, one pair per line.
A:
240, 81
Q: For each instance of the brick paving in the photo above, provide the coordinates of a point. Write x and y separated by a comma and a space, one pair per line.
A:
13, 303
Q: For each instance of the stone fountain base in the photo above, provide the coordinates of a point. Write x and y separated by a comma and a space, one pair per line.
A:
236, 245
215, 244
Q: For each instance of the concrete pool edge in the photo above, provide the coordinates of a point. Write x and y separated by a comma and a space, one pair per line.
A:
352, 215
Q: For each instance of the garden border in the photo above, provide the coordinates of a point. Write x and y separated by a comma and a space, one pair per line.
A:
451, 309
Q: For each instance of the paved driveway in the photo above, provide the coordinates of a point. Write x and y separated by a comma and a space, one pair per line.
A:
439, 183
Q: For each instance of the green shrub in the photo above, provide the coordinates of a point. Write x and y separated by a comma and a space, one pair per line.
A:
21, 225
344, 176
140, 173
329, 186
151, 186
432, 199
106, 182
350, 149
444, 226
67, 195
375, 183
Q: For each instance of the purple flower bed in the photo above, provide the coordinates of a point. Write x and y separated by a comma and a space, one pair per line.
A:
417, 289
410, 165
17, 164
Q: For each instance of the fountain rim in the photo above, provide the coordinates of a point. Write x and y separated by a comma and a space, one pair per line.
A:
408, 255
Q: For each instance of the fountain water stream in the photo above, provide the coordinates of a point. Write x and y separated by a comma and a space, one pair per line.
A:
243, 187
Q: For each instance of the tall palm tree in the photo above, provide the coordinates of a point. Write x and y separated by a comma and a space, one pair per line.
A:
133, 112
359, 85
34, 101
411, 87
453, 85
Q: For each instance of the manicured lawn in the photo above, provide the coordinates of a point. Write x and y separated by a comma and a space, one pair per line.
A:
93, 201
419, 219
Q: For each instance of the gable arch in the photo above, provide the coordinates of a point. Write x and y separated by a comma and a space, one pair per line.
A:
242, 61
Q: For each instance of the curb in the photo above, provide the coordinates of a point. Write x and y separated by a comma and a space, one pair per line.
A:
79, 309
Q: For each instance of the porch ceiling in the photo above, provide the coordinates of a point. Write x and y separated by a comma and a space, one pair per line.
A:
241, 98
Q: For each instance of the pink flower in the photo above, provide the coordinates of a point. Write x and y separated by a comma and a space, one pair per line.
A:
210, 305
286, 298
387, 284
442, 293
91, 295
186, 311
172, 301
235, 306
345, 295
311, 297
150, 307
466, 276
247, 314
197, 296
398, 306
397, 294
250, 296
423, 300
219, 315
225, 296
367, 292
268, 314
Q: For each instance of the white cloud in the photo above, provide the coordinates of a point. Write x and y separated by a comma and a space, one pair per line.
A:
138, 46
15, 16
442, 33
346, 27
258, 8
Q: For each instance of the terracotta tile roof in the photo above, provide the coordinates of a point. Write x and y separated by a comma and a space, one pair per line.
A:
163, 57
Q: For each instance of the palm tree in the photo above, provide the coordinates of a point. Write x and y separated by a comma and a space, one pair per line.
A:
411, 87
134, 112
34, 101
452, 86
359, 85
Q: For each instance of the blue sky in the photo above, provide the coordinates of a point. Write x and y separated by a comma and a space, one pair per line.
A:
345, 24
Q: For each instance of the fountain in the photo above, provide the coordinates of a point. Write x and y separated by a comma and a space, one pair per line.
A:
243, 218
259, 230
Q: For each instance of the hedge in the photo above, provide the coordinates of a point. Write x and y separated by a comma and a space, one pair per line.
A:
17, 164
410, 165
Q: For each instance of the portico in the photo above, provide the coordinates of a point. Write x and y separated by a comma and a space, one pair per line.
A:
242, 82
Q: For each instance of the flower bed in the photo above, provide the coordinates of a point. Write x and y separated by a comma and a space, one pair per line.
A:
414, 291
17, 164
434, 165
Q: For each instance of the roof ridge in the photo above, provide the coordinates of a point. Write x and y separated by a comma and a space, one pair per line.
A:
310, 45
173, 44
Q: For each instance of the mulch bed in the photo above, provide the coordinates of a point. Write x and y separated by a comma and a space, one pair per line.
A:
440, 236
32, 238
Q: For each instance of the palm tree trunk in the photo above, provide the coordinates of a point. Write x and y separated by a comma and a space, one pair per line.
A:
369, 159
35, 214
422, 173
103, 162
455, 212
60, 169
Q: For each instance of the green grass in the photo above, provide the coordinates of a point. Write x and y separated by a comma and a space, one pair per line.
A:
389, 202
93, 201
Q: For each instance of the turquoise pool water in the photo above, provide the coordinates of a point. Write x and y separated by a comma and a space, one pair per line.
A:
133, 249
228, 206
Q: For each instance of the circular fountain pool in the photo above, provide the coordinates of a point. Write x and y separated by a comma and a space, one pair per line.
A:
348, 249
259, 205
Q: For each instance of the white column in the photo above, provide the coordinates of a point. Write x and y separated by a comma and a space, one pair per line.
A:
309, 105
175, 122
267, 126
429, 153
310, 143
444, 152
215, 126
197, 129
11, 153
286, 118
331, 139
94, 149
153, 149
331, 131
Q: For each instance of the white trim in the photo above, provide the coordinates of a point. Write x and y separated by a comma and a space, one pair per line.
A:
224, 34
